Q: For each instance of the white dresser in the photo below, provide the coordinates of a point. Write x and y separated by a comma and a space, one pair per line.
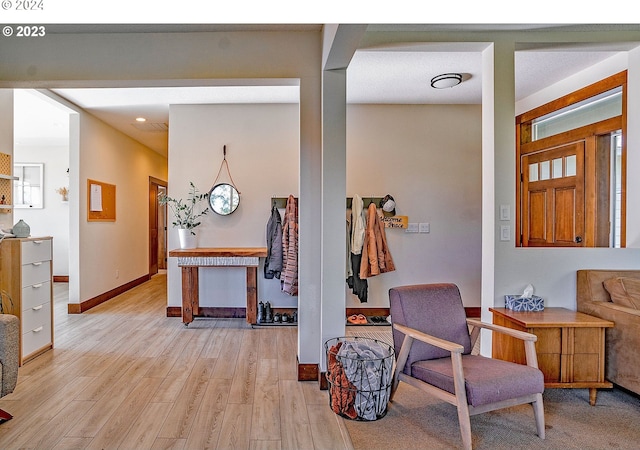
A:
26, 274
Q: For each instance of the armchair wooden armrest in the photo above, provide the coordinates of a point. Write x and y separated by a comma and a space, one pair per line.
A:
427, 338
523, 335
528, 338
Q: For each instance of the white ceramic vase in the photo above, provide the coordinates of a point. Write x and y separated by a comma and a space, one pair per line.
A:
187, 240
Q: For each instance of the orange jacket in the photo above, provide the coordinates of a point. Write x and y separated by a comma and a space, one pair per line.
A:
376, 257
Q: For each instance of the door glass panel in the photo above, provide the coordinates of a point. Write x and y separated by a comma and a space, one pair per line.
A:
557, 168
545, 169
570, 166
533, 172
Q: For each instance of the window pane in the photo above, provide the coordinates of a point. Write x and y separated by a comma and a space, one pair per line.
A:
592, 110
557, 168
570, 169
28, 187
533, 172
31, 176
545, 169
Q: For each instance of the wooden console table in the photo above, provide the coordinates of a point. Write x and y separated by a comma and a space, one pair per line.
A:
570, 346
190, 260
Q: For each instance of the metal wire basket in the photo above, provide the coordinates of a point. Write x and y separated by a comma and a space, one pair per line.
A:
360, 374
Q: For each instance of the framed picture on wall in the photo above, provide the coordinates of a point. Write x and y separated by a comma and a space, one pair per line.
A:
28, 188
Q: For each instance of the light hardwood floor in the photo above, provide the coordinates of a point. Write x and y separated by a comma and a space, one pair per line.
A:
123, 375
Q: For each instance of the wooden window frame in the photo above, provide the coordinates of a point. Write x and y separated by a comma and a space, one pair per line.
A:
589, 133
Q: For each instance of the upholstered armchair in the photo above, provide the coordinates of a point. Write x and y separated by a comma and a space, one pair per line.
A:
433, 348
9, 341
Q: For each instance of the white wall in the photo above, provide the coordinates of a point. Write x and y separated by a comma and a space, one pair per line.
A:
53, 219
428, 157
263, 146
112, 253
415, 153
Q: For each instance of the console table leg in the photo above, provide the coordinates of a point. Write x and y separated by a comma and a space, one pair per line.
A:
252, 294
190, 300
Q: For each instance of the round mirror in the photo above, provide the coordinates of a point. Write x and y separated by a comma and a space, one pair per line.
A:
223, 199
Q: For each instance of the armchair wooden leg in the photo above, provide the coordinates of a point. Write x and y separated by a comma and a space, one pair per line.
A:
4, 416
538, 412
465, 426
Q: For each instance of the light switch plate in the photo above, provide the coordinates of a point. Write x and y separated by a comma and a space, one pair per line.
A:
424, 227
505, 233
505, 212
412, 228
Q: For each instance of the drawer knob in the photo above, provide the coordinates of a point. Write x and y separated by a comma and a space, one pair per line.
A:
39, 329
37, 242
37, 263
36, 286
37, 308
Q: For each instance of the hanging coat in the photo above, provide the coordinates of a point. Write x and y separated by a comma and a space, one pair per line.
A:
358, 220
289, 278
348, 250
376, 257
273, 263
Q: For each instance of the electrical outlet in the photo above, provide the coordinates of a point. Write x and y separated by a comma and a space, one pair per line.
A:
424, 227
412, 228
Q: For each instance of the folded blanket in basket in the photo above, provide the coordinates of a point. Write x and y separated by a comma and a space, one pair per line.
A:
368, 365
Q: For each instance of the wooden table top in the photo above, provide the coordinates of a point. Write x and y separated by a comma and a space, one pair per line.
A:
551, 318
225, 252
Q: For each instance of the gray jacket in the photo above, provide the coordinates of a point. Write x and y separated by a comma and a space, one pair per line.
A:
273, 263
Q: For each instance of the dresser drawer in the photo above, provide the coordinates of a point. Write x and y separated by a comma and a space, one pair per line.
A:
36, 250
35, 317
36, 272
36, 339
36, 294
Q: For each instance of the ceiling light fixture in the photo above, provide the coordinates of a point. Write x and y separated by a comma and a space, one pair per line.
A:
140, 119
446, 80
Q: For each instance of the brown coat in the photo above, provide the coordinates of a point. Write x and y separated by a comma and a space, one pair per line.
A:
289, 276
376, 257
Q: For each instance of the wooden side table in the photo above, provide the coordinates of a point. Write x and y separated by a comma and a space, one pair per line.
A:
570, 346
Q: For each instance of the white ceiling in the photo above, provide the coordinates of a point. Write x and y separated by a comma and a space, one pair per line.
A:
398, 74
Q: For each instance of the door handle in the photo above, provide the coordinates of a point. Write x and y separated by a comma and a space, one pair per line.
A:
578, 239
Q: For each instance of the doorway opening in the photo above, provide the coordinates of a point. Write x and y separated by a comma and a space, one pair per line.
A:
157, 227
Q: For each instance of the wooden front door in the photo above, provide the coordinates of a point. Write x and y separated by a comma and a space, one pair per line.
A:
553, 203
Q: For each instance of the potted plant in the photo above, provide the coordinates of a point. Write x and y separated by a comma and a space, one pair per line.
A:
186, 214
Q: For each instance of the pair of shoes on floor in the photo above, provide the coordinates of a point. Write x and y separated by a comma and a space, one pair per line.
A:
378, 319
357, 319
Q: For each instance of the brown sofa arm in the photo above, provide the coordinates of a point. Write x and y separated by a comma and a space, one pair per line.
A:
9, 341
